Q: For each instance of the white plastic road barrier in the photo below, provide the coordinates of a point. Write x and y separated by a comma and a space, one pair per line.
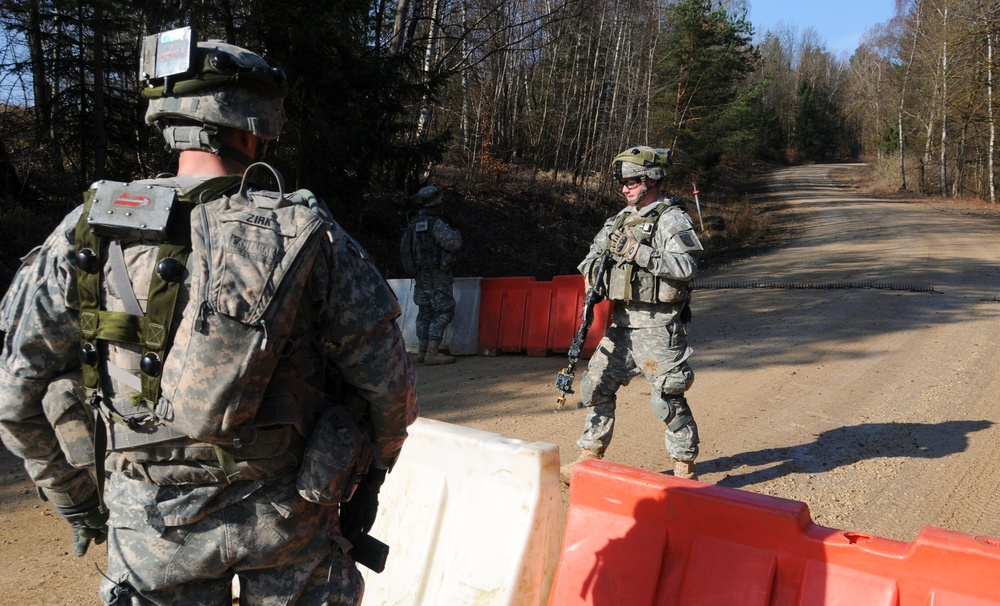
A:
471, 518
461, 338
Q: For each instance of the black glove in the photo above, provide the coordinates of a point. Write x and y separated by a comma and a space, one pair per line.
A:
358, 515
88, 520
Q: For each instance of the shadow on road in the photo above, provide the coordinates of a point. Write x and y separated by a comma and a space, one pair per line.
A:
846, 446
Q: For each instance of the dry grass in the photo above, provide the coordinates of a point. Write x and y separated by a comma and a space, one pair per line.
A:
880, 179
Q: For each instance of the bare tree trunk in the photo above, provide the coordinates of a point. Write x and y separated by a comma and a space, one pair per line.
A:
411, 26
650, 70
41, 89
605, 85
100, 134
226, 8
944, 105
993, 127
902, 101
539, 137
399, 28
591, 100
958, 181
466, 135
927, 155
379, 10
84, 149
568, 98
425, 104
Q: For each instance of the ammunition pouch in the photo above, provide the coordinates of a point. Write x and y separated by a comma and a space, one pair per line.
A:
337, 456
71, 419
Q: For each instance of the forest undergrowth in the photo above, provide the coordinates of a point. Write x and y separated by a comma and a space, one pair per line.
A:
530, 225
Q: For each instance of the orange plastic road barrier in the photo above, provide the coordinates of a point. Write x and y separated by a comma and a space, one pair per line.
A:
567, 294
538, 321
523, 315
637, 538
502, 314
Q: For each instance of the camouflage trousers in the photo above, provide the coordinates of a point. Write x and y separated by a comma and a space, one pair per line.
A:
283, 548
433, 294
659, 354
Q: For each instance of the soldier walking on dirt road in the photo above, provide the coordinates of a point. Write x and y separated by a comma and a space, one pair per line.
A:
650, 247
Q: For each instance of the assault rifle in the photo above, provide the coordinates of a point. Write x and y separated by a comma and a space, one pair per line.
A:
564, 381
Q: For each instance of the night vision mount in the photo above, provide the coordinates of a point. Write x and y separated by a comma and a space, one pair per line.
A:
166, 55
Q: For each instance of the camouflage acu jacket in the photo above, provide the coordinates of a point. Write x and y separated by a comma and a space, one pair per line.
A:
652, 289
345, 304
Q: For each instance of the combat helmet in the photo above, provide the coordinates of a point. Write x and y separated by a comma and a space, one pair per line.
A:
428, 196
194, 88
641, 162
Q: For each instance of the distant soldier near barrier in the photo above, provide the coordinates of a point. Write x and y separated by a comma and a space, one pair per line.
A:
428, 250
241, 351
651, 245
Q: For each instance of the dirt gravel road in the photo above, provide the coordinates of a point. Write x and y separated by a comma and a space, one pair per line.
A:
854, 368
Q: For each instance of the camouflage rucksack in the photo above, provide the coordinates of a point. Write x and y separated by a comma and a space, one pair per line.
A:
251, 252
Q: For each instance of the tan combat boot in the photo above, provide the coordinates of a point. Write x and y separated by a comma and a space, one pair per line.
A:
433, 358
566, 471
421, 352
685, 469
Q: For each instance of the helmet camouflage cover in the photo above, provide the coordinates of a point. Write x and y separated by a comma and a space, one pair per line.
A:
225, 85
428, 196
641, 162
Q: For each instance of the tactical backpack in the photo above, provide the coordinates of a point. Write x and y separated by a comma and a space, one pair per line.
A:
204, 379
419, 250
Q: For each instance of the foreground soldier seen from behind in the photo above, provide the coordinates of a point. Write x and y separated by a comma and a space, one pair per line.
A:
219, 330
650, 246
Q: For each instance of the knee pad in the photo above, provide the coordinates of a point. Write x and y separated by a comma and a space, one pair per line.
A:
586, 389
595, 395
662, 407
672, 410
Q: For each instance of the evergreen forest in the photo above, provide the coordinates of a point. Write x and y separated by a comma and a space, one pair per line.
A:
514, 107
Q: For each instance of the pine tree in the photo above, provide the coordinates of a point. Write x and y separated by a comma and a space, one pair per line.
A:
705, 60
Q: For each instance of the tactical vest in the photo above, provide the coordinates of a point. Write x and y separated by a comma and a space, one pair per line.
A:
212, 383
629, 282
